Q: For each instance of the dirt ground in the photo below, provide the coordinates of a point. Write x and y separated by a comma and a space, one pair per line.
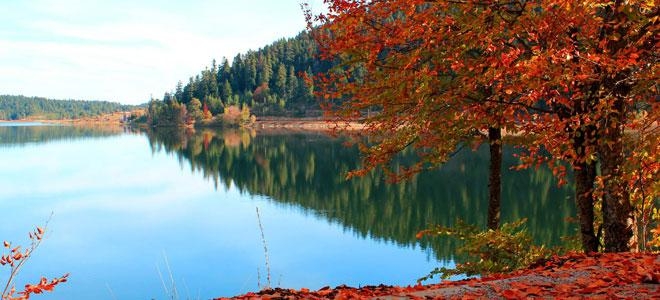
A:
304, 124
575, 276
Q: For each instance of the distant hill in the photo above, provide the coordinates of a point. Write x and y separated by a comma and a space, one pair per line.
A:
22, 107
270, 80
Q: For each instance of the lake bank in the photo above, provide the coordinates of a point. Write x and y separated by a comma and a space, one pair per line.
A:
266, 124
307, 124
603, 275
116, 118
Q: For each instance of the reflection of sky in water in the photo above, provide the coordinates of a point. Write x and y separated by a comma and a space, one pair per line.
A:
119, 210
14, 124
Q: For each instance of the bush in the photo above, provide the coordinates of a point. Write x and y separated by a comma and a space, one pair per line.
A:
491, 251
235, 116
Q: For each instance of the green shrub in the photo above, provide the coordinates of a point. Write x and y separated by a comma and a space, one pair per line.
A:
489, 251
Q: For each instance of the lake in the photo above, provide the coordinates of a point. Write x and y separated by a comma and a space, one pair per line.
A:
148, 216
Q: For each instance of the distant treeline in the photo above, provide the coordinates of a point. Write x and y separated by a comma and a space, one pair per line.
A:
274, 80
22, 107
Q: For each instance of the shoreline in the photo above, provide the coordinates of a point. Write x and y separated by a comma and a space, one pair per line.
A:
305, 124
575, 275
263, 124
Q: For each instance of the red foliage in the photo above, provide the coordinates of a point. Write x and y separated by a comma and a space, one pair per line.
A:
577, 275
431, 75
43, 285
15, 259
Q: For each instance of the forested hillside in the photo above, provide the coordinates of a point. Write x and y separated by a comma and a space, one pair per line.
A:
271, 81
22, 107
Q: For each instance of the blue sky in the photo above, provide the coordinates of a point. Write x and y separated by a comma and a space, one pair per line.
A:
127, 50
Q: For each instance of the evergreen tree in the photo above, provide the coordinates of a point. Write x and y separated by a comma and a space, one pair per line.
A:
224, 71
291, 85
188, 91
226, 91
214, 105
267, 77
178, 92
200, 89
265, 70
21, 107
279, 81
237, 74
195, 110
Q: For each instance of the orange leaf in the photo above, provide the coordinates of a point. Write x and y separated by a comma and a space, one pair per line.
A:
564, 288
513, 294
534, 290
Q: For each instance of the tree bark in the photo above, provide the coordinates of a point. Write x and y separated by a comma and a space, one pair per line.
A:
617, 209
585, 175
495, 177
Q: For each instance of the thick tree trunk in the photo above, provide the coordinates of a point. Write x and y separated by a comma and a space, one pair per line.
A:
617, 210
495, 177
585, 175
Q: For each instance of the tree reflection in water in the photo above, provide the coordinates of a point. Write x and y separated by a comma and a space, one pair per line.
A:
307, 170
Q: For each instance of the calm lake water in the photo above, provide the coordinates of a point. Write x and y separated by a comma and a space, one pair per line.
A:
134, 212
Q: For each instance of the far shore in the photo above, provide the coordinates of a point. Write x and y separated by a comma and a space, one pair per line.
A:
306, 124
109, 119
265, 123
261, 124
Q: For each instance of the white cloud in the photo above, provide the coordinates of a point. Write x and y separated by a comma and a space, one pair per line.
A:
126, 51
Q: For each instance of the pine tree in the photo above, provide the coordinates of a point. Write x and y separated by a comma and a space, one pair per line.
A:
179, 90
226, 91
291, 85
279, 81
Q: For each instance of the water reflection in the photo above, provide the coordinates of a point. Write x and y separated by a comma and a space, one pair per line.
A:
18, 134
123, 203
307, 170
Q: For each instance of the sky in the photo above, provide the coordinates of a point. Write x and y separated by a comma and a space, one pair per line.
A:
130, 50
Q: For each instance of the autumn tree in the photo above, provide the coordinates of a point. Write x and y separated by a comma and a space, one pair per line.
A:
418, 66
592, 63
436, 72
167, 113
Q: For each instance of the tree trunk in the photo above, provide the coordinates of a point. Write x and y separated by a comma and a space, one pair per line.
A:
585, 175
495, 177
617, 210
